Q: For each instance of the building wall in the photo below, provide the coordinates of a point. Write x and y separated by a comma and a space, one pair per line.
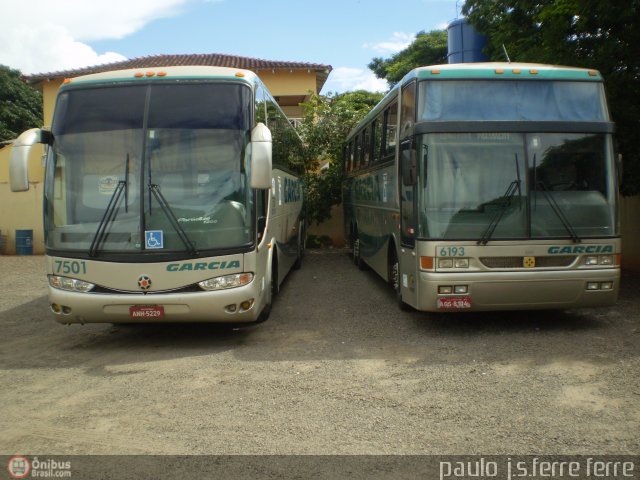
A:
283, 83
22, 210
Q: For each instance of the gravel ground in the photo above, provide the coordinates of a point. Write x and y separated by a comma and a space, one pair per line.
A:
337, 369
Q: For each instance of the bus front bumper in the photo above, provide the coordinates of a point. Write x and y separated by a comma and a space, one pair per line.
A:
241, 304
518, 290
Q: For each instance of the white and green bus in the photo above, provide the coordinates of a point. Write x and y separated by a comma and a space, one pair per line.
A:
488, 186
171, 195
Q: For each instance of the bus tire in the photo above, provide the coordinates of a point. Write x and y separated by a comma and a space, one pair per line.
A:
394, 279
271, 288
300, 248
357, 256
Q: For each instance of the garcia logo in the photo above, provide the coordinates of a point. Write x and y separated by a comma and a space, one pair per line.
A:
558, 249
193, 266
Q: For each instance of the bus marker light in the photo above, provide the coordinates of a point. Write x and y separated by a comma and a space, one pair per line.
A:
138, 74
593, 286
618, 259
516, 71
533, 71
435, 72
499, 70
246, 305
162, 74
150, 74
239, 74
445, 289
593, 73
66, 80
426, 263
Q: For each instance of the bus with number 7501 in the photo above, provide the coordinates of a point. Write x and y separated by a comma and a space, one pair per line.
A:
488, 186
171, 195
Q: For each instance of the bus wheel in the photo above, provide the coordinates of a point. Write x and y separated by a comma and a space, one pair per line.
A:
394, 279
272, 290
357, 257
301, 245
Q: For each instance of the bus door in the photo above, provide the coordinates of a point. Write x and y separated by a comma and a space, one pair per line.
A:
408, 180
408, 208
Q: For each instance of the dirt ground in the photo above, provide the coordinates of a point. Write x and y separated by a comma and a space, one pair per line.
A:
337, 369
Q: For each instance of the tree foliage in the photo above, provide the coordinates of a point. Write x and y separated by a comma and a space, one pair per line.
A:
20, 105
586, 33
427, 49
327, 122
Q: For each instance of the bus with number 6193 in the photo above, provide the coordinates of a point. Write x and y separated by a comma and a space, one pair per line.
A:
488, 186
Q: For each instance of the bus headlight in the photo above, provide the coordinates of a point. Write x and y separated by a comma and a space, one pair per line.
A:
226, 281
70, 284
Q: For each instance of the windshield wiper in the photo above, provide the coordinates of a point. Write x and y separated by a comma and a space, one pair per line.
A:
155, 190
108, 217
559, 213
506, 201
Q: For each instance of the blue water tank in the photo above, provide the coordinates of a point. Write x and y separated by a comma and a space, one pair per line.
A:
464, 43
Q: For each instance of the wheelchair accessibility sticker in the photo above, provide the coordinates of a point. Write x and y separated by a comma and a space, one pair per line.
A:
153, 239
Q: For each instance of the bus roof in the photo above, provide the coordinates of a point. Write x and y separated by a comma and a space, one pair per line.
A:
496, 70
483, 70
166, 73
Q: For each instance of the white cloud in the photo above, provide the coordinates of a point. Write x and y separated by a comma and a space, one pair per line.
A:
399, 41
48, 36
347, 79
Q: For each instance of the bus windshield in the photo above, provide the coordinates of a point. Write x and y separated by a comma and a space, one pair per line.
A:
512, 185
446, 100
159, 167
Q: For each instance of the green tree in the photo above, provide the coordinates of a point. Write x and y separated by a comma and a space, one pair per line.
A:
326, 123
427, 49
585, 33
20, 105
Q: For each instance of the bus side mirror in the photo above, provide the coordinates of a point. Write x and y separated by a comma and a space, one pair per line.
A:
409, 167
19, 160
261, 157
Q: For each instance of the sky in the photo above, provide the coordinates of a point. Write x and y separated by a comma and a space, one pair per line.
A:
46, 36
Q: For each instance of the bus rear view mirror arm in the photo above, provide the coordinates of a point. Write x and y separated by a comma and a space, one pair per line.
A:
19, 161
261, 157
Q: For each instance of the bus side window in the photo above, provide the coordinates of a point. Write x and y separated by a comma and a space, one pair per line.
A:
262, 203
261, 106
366, 146
408, 111
389, 130
376, 139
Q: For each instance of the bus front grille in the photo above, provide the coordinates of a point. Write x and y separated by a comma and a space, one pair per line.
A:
519, 262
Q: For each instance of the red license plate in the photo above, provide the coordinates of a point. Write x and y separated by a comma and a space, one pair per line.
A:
146, 311
454, 303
